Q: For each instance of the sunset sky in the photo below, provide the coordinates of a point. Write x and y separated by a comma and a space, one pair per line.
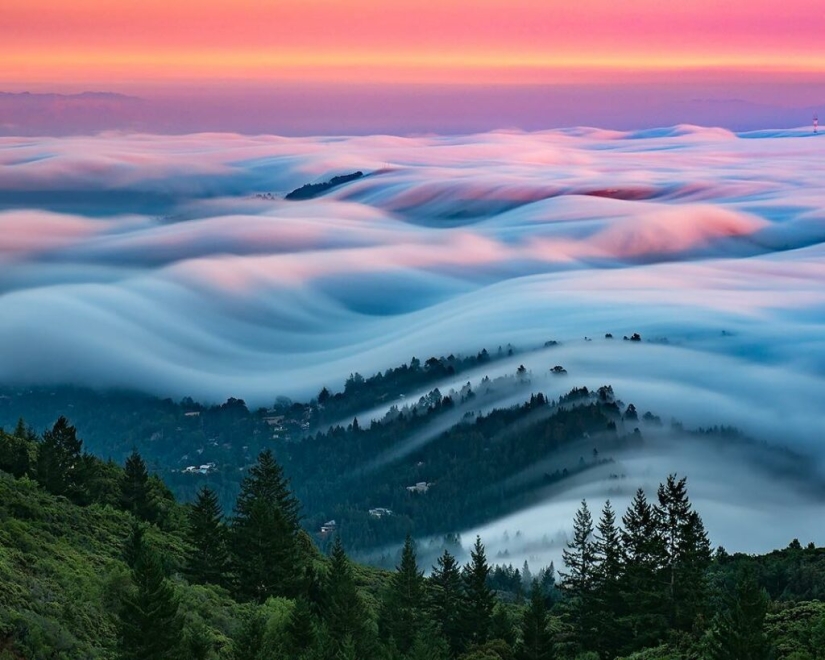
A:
762, 51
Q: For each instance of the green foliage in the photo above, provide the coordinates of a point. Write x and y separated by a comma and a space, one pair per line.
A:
207, 558
446, 601
536, 639
738, 632
149, 624
267, 556
402, 609
479, 600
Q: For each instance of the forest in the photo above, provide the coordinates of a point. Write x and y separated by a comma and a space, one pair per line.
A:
415, 450
98, 560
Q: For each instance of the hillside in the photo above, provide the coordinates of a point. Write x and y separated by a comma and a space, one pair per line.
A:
99, 561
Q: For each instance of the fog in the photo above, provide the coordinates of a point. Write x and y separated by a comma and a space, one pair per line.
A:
172, 265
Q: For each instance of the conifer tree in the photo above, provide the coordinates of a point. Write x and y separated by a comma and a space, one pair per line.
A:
687, 553
149, 625
644, 558
60, 461
135, 492
264, 534
579, 580
429, 644
207, 559
402, 608
343, 611
608, 551
739, 632
536, 641
249, 642
479, 600
447, 601
300, 630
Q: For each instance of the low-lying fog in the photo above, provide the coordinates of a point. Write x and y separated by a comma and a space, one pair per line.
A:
173, 265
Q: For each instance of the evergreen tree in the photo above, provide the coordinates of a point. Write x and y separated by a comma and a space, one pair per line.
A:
608, 551
249, 642
207, 559
429, 644
402, 608
60, 461
301, 634
447, 601
343, 612
579, 580
687, 553
135, 493
536, 641
643, 596
479, 600
266, 552
149, 625
739, 632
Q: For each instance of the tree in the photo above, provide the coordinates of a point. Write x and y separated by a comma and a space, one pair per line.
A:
644, 555
608, 552
739, 631
402, 607
687, 553
135, 492
579, 580
60, 461
207, 558
447, 601
149, 625
479, 600
301, 634
264, 534
343, 611
536, 641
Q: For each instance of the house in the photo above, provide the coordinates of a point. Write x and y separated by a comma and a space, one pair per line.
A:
380, 512
328, 527
194, 413
420, 487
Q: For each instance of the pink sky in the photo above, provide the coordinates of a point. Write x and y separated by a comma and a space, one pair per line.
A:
761, 51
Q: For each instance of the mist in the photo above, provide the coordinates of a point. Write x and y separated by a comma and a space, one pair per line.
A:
172, 265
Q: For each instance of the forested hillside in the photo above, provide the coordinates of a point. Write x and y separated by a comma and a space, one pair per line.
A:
413, 450
100, 561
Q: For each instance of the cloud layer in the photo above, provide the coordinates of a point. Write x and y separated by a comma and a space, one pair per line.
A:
172, 265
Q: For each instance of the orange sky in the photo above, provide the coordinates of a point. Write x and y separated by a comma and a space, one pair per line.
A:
110, 43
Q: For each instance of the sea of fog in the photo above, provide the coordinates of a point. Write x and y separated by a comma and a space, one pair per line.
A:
172, 264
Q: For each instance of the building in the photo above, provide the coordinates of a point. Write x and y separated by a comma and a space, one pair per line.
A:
420, 487
380, 512
328, 528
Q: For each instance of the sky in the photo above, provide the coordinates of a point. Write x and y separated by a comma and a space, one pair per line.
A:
303, 66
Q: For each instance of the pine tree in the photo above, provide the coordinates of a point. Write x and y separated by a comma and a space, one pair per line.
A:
135, 493
343, 611
402, 608
207, 559
608, 550
60, 461
536, 640
687, 553
479, 600
149, 625
579, 580
301, 634
643, 558
739, 632
264, 534
447, 601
